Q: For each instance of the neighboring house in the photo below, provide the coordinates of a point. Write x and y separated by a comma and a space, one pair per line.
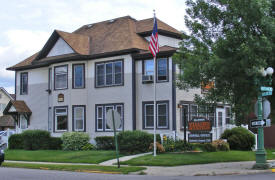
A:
72, 82
6, 121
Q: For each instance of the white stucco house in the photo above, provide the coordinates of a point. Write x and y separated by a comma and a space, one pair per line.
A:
76, 77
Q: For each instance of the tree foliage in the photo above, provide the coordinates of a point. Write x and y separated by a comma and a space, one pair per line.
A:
229, 41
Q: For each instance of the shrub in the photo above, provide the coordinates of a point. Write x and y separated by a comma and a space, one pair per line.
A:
221, 145
135, 141
160, 148
88, 147
36, 139
105, 142
16, 141
74, 140
55, 143
208, 147
239, 138
171, 145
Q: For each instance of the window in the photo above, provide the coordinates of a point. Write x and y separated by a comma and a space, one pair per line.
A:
149, 67
194, 111
162, 72
149, 115
78, 76
61, 118
101, 112
162, 68
50, 79
23, 122
24, 83
227, 115
220, 118
61, 77
162, 118
211, 115
162, 115
79, 118
109, 74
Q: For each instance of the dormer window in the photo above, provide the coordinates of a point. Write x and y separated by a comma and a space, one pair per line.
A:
61, 77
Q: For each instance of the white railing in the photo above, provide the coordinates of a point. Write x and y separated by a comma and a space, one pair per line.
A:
4, 138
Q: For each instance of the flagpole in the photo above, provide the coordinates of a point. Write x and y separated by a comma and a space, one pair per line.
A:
155, 106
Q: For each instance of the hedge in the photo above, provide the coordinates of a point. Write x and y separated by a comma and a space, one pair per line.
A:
105, 142
36, 139
239, 138
75, 140
135, 141
16, 141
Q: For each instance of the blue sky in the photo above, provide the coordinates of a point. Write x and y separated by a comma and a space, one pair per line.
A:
26, 25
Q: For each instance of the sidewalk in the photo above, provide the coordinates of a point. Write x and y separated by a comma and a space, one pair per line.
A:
230, 168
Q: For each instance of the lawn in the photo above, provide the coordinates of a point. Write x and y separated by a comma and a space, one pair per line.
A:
77, 168
93, 157
176, 159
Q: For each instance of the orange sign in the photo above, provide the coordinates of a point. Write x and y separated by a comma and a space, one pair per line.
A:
199, 126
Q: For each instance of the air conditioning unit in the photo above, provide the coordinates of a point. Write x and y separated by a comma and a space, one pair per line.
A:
147, 78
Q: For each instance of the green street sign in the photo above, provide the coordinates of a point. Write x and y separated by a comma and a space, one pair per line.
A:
269, 89
267, 93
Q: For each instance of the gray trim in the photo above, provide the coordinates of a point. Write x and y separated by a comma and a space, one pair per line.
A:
15, 85
84, 123
143, 114
54, 108
134, 110
174, 124
103, 116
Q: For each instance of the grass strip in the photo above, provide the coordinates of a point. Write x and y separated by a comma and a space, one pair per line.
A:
91, 157
77, 168
176, 159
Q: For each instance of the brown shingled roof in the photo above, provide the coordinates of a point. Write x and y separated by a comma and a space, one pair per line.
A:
78, 42
20, 106
107, 37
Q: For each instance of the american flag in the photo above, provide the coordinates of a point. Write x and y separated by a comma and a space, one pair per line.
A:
154, 44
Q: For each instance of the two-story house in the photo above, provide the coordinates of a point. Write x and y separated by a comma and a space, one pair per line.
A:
6, 121
72, 82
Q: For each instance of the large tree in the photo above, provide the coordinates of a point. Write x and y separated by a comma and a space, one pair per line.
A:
228, 42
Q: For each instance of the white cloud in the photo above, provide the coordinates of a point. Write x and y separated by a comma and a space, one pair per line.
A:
20, 45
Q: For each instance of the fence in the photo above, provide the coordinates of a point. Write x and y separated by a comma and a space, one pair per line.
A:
269, 137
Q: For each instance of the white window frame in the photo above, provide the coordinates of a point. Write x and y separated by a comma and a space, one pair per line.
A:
22, 92
55, 79
82, 118
166, 115
145, 115
60, 114
227, 117
22, 117
97, 118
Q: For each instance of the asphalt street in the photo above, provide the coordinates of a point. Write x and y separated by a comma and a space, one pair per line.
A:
34, 174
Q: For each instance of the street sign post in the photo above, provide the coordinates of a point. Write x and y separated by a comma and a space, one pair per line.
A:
113, 120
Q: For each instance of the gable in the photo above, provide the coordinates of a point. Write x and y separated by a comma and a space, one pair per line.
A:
60, 48
12, 109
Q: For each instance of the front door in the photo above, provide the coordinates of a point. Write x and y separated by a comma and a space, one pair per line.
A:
220, 122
